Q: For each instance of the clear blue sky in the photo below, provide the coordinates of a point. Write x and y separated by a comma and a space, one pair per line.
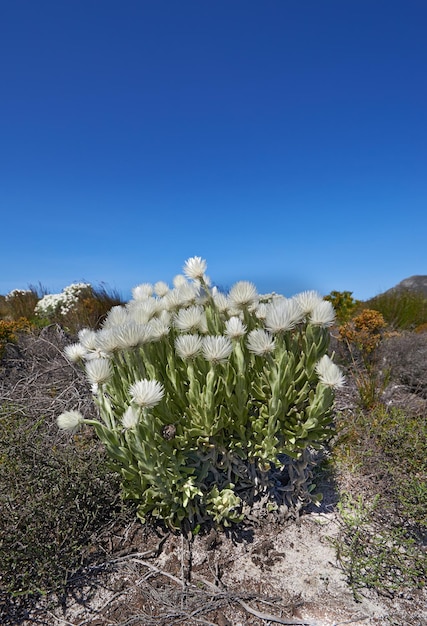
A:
285, 141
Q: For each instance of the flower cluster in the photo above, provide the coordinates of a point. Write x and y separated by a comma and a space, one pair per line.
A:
194, 385
63, 302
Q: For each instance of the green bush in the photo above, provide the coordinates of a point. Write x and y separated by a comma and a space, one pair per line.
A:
200, 393
55, 498
402, 309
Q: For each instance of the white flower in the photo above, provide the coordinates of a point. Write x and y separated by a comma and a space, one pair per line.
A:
216, 348
161, 288
323, 314
183, 295
261, 311
260, 342
130, 418
70, 420
145, 290
179, 280
234, 328
188, 346
329, 373
243, 294
106, 341
87, 338
158, 328
99, 371
147, 393
131, 335
221, 301
191, 319
117, 316
142, 311
195, 267
75, 352
307, 300
282, 314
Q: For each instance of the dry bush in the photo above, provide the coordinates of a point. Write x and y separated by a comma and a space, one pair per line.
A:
405, 355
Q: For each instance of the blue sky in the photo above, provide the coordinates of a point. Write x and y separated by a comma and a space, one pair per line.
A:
283, 141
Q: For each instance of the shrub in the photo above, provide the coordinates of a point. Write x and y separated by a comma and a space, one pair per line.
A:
405, 355
403, 309
201, 395
77, 306
344, 304
52, 511
19, 303
9, 331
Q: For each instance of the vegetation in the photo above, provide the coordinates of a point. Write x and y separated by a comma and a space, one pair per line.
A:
62, 487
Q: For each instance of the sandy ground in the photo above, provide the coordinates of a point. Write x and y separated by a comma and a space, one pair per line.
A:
269, 574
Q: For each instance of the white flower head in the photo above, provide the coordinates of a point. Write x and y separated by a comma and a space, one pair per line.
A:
147, 393
99, 371
140, 292
221, 301
158, 328
261, 311
323, 314
131, 334
308, 300
260, 342
75, 352
235, 328
70, 420
130, 418
195, 267
141, 311
329, 374
191, 319
216, 348
106, 341
243, 294
161, 288
87, 338
282, 314
117, 316
188, 346
179, 280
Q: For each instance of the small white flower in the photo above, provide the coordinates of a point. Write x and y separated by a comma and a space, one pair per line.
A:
329, 373
106, 341
221, 301
147, 393
308, 300
234, 328
145, 290
69, 420
131, 335
141, 311
75, 352
243, 294
323, 314
184, 295
158, 328
216, 348
188, 346
117, 316
190, 320
161, 288
179, 280
282, 314
99, 371
87, 338
260, 342
195, 267
261, 311
130, 418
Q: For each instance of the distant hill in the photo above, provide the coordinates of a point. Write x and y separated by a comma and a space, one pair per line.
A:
413, 283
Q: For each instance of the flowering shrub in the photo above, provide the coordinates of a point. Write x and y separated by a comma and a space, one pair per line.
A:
62, 303
202, 394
